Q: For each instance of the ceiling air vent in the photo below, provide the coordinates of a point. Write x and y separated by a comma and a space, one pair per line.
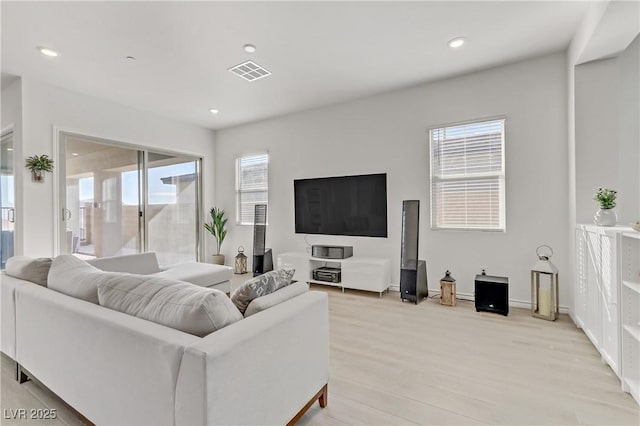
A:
250, 71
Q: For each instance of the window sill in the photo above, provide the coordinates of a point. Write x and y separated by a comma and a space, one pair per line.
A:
469, 229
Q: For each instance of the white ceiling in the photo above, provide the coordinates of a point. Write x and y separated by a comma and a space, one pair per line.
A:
320, 53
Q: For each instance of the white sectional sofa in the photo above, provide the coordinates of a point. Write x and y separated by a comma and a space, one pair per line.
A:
117, 369
202, 274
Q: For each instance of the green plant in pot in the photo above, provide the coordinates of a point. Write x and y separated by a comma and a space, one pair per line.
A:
38, 164
217, 228
606, 199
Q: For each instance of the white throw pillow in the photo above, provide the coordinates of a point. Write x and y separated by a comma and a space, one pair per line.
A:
29, 269
259, 304
176, 304
260, 286
76, 278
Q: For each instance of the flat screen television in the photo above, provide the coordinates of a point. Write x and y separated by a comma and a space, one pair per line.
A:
345, 205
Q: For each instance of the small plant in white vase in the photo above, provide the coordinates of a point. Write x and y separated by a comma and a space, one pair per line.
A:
217, 229
606, 215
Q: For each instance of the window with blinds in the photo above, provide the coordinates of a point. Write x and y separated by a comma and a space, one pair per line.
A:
467, 176
252, 184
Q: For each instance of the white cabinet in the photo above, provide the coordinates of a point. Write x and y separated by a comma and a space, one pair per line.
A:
359, 273
607, 297
596, 307
630, 313
609, 314
366, 273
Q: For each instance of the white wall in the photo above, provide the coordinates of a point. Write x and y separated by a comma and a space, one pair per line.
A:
629, 132
607, 29
596, 133
607, 137
46, 107
387, 133
578, 45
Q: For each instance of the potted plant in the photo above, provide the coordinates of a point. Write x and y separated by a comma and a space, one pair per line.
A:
38, 164
606, 215
217, 229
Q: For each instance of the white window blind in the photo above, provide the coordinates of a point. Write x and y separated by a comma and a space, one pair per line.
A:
467, 176
252, 178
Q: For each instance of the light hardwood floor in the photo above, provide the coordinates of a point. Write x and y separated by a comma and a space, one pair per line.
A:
395, 363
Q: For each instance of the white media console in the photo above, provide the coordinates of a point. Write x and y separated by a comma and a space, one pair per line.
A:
358, 273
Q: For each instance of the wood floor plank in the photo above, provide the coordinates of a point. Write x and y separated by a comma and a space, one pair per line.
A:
411, 409
398, 363
48, 399
351, 412
16, 402
485, 367
318, 416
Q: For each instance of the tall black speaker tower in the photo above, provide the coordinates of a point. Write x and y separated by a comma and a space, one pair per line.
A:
262, 257
413, 272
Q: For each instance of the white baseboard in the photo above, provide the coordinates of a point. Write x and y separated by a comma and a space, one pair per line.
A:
525, 304
575, 320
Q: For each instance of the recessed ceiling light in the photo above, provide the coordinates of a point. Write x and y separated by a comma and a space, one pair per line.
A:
249, 48
456, 42
131, 58
9, 149
75, 154
47, 51
214, 111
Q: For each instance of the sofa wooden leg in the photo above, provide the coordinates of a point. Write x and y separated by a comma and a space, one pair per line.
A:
324, 396
21, 376
321, 397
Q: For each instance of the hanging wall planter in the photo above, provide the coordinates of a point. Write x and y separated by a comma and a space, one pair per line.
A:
39, 164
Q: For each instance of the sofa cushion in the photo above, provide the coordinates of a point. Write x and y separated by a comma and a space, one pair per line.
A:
281, 295
179, 305
139, 263
198, 273
76, 278
260, 286
29, 269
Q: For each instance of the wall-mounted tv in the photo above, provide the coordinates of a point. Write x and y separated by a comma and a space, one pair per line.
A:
345, 205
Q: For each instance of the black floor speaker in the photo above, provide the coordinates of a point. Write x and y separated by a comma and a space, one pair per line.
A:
262, 257
413, 283
413, 272
262, 262
492, 294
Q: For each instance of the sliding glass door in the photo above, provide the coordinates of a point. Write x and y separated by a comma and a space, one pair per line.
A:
101, 199
120, 200
7, 198
172, 207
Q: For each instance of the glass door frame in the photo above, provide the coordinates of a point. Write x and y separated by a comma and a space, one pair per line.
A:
9, 130
143, 154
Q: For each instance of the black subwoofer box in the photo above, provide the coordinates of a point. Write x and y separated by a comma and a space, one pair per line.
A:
492, 294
